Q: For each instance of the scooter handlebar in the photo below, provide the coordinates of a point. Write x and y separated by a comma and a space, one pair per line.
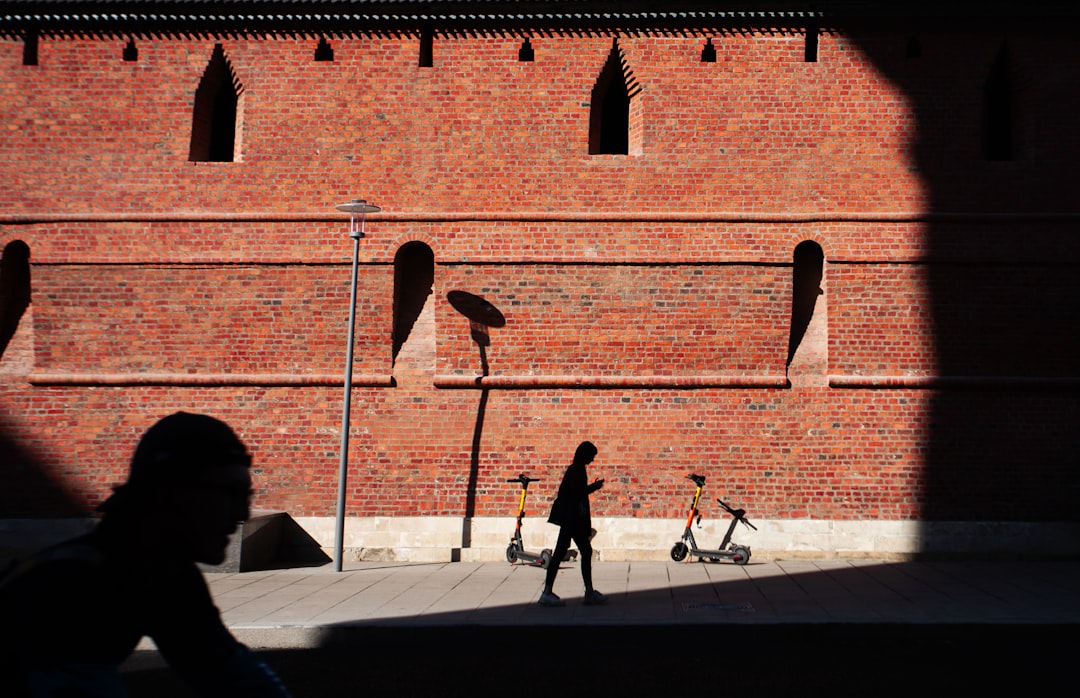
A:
739, 514
524, 479
698, 480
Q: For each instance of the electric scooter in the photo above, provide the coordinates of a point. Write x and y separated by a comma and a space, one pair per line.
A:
739, 554
516, 552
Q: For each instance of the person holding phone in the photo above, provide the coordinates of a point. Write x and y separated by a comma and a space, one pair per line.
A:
570, 512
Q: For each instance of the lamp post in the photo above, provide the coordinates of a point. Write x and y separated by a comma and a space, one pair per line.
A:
357, 210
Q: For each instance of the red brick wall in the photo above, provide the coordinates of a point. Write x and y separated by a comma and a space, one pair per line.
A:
759, 130
683, 319
659, 282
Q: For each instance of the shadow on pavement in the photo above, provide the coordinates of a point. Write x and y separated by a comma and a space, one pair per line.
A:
707, 641
806, 660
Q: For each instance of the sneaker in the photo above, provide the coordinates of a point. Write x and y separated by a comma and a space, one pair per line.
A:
549, 599
595, 598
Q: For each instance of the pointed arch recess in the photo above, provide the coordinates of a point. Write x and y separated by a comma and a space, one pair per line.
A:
615, 120
217, 116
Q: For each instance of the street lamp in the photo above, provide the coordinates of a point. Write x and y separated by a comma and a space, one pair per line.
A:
357, 210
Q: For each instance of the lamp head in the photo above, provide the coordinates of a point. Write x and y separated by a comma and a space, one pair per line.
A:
357, 210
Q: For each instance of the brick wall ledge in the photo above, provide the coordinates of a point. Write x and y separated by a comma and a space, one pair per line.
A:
210, 379
629, 382
509, 382
535, 216
943, 382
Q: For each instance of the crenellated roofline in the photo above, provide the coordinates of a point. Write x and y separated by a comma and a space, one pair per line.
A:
292, 16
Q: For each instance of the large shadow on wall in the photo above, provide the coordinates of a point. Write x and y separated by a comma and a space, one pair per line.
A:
996, 152
482, 316
26, 489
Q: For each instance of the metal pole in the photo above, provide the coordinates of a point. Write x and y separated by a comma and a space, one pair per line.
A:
357, 207
343, 469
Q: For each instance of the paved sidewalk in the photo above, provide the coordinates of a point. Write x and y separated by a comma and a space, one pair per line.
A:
301, 607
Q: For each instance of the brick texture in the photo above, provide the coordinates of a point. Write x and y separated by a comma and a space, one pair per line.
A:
647, 297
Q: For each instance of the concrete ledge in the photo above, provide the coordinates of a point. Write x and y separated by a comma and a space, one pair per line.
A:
274, 539
484, 539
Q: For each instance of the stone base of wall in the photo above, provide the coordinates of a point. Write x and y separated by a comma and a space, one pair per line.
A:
445, 539
618, 539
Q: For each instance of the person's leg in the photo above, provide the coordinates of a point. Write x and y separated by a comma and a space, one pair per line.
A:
592, 596
581, 538
561, 546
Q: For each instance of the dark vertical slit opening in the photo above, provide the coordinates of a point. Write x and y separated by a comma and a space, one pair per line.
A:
913, 48
998, 114
427, 47
708, 53
525, 53
810, 53
30, 48
324, 51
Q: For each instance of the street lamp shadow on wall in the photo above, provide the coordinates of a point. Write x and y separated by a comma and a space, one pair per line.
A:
482, 316
357, 210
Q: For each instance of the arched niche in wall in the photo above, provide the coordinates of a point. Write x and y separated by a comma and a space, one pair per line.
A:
14, 290
808, 338
414, 309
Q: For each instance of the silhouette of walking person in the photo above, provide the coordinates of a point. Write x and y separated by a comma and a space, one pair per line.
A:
73, 612
570, 512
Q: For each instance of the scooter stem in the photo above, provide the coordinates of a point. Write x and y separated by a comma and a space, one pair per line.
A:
693, 508
521, 503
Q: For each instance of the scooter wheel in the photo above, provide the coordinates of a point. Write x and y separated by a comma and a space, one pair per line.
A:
511, 554
741, 555
679, 551
545, 558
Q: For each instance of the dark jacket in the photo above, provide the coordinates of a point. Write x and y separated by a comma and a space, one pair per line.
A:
571, 506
